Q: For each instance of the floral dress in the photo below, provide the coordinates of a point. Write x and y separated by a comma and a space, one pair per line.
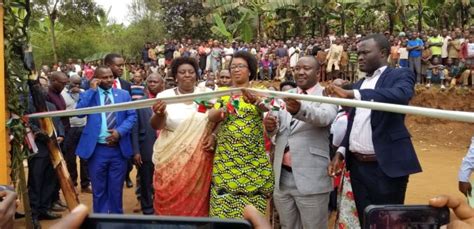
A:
242, 173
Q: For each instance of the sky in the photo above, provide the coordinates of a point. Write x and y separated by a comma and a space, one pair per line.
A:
119, 10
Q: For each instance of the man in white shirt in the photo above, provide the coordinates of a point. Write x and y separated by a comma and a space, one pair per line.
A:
377, 147
71, 96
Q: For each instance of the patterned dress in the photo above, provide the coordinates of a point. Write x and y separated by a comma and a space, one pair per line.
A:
242, 173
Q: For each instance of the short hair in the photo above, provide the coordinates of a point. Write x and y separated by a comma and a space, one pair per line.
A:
317, 64
381, 41
109, 58
288, 83
251, 62
100, 68
56, 74
183, 60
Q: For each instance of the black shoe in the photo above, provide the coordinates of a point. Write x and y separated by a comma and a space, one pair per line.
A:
57, 208
60, 203
36, 224
128, 182
48, 216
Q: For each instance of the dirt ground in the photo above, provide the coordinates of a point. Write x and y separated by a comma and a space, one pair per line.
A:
440, 146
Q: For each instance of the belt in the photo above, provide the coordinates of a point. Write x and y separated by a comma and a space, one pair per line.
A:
111, 146
364, 157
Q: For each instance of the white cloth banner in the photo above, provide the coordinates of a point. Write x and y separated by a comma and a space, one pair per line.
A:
401, 109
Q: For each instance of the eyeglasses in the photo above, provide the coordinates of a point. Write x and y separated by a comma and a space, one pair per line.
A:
239, 66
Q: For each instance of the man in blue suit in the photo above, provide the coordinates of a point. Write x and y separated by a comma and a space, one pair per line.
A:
106, 141
377, 145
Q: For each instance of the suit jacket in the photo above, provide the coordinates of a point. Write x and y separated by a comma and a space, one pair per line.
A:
125, 121
309, 145
143, 135
126, 85
392, 144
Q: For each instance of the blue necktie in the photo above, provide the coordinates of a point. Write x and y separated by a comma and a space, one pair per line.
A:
110, 116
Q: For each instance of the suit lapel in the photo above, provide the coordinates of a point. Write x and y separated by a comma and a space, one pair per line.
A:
383, 77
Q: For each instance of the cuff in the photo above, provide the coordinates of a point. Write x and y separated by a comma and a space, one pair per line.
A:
302, 112
464, 175
342, 150
357, 95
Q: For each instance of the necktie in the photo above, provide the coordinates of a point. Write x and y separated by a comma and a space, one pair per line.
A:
110, 116
115, 83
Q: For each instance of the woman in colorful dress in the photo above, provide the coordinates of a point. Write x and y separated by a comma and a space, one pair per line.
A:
182, 164
242, 174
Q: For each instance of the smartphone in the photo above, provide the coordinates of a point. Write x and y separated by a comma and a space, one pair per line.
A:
116, 221
405, 217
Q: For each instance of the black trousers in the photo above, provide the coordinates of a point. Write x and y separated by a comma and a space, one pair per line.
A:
70, 145
42, 184
145, 173
371, 186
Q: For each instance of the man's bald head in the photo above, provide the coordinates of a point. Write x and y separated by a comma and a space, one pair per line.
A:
58, 81
155, 83
75, 79
307, 72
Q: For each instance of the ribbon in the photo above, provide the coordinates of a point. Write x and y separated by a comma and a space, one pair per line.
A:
395, 108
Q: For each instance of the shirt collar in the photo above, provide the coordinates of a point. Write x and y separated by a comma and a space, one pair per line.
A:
377, 72
309, 91
102, 91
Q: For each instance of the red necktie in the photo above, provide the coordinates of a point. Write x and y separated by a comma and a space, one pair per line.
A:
115, 83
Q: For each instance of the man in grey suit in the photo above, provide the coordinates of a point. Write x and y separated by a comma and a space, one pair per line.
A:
301, 153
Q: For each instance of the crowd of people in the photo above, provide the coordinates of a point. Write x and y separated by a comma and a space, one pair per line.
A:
213, 158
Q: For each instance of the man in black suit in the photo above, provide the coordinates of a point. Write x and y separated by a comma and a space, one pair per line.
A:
143, 139
42, 179
116, 63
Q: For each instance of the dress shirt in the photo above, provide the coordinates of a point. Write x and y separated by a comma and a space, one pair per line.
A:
360, 139
103, 126
339, 127
467, 164
71, 101
117, 83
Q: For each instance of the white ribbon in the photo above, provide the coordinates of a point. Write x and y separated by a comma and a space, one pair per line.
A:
395, 108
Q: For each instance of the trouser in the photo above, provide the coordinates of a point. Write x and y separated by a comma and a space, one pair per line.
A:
370, 185
332, 62
465, 77
70, 145
42, 182
297, 210
108, 167
415, 65
145, 172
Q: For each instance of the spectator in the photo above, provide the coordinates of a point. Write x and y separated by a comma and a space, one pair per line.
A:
435, 74
415, 47
71, 96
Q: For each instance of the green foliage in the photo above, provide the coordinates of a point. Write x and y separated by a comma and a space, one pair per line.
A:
15, 21
82, 29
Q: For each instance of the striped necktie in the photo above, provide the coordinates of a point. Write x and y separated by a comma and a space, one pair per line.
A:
110, 116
